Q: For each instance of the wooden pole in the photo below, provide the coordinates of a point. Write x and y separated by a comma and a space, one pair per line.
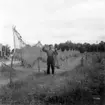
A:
14, 47
12, 57
11, 70
38, 64
82, 61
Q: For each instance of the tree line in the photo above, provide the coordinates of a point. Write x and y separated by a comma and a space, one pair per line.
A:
85, 47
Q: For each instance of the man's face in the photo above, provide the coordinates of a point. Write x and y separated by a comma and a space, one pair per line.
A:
50, 47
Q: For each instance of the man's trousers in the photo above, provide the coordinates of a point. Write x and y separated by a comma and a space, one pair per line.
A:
50, 64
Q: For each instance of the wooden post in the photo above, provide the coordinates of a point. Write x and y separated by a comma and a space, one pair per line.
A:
38, 64
11, 71
82, 61
12, 57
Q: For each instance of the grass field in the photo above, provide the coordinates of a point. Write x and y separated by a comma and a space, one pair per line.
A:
70, 86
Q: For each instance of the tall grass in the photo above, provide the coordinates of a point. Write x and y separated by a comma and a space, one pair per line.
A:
68, 88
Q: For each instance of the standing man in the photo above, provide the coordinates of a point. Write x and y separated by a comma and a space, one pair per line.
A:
50, 58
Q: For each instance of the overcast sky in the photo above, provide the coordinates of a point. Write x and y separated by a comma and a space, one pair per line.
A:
52, 21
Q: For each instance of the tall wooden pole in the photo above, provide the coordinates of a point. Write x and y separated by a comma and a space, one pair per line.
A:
11, 71
14, 47
12, 57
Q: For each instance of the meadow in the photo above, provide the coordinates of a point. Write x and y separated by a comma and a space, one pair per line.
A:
77, 82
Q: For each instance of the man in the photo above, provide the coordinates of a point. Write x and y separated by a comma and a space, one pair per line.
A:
50, 58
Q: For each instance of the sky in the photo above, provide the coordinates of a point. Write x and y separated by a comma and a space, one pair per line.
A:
52, 21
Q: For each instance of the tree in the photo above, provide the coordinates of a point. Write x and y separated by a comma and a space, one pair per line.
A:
85, 47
